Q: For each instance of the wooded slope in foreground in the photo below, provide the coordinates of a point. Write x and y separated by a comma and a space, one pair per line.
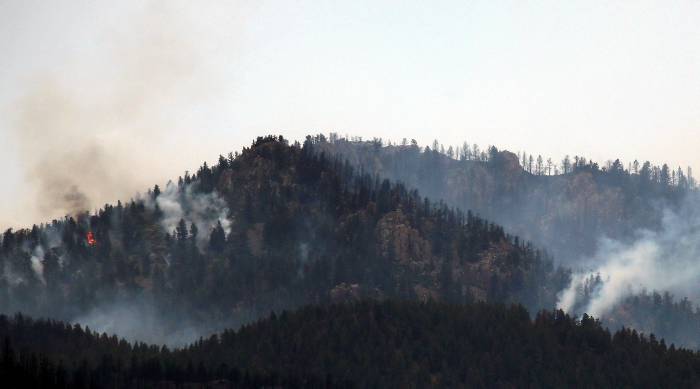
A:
363, 344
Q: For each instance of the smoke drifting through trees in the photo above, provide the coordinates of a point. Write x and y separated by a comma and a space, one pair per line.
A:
133, 314
294, 238
141, 320
663, 260
647, 213
204, 210
38, 264
83, 136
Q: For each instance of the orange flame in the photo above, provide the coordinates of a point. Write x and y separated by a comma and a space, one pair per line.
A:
91, 239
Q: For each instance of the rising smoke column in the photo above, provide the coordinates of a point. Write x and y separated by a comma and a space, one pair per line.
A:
88, 138
663, 260
37, 261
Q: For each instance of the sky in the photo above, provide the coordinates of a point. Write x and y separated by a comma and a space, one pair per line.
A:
117, 96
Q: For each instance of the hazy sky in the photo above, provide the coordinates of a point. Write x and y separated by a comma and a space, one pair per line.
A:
159, 87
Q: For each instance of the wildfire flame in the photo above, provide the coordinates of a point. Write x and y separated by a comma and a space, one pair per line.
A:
91, 239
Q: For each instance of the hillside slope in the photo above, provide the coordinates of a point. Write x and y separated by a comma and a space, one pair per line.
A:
566, 213
275, 227
595, 220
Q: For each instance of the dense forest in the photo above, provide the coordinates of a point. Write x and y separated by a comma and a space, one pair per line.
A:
281, 226
575, 209
274, 227
362, 344
677, 320
53, 354
564, 206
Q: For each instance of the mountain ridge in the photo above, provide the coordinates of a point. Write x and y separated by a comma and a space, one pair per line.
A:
274, 227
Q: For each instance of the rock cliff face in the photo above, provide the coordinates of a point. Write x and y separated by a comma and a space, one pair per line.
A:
400, 242
480, 278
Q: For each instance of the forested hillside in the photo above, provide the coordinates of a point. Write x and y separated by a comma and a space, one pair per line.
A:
53, 354
677, 320
274, 227
279, 226
565, 206
646, 214
362, 344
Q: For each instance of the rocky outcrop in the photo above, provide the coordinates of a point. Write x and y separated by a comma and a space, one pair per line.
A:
402, 243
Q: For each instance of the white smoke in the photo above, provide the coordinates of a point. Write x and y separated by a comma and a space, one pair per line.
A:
139, 320
205, 210
169, 203
37, 261
664, 260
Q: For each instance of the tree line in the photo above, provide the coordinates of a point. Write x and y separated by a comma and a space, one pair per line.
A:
537, 164
362, 344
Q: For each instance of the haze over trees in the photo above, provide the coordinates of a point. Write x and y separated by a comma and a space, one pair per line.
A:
363, 344
590, 217
274, 227
565, 207
321, 225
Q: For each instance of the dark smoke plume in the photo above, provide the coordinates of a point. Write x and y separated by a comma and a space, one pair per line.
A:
86, 141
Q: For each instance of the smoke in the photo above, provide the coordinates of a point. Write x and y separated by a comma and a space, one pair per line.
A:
10, 276
139, 320
91, 137
205, 210
664, 260
38, 264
